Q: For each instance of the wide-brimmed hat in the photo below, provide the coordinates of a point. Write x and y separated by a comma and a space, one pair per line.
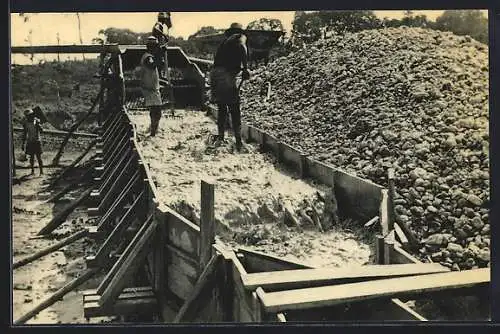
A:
234, 28
151, 40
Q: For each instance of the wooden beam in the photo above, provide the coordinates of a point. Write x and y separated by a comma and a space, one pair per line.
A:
61, 216
200, 284
69, 187
128, 266
280, 317
207, 222
400, 236
118, 230
419, 286
137, 300
75, 126
66, 241
390, 202
295, 279
258, 261
74, 163
58, 295
110, 275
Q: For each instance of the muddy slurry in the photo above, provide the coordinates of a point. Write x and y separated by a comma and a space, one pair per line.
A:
36, 281
258, 204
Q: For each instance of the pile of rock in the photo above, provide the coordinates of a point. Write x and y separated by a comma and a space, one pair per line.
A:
412, 99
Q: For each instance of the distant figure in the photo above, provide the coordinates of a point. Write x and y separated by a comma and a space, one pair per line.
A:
150, 83
160, 31
31, 141
230, 59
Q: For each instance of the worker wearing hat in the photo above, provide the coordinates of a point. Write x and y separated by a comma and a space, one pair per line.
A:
31, 140
160, 31
230, 59
150, 83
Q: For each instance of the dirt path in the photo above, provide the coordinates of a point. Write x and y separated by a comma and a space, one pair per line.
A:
38, 280
249, 188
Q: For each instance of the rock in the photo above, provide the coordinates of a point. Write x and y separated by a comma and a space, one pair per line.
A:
484, 255
474, 200
477, 223
437, 240
486, 229
454, 248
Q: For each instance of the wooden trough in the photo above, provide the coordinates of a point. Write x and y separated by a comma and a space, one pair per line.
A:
166, 268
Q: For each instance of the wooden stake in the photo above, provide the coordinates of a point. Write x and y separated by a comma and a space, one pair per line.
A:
58, 295
61, 217
55, 161
390, 202
380, 249
72, 238
207, 223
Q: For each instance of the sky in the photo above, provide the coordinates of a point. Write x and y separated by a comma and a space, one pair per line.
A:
46, 26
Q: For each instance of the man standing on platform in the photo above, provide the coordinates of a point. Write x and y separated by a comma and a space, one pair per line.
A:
150, 83
160, 31
231, 58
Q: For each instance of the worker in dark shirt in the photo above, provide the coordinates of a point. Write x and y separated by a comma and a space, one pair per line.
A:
32, 144
160, 31
150, 83
231, 58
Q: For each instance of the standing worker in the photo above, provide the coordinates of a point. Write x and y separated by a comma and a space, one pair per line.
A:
160, 31
150, 83
31, 141
230, 59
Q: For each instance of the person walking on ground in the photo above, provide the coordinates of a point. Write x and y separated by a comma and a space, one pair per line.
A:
150, 83
31, 141
230, 59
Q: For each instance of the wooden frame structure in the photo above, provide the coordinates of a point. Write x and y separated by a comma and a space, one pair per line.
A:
190, 278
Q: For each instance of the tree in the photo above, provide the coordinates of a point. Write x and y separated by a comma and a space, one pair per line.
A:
266, 24
120, 36
464, 22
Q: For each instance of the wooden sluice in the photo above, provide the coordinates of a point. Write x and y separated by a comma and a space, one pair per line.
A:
163, 266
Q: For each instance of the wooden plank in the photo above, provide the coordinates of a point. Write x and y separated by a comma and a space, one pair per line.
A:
64, 242
280, 317
399, 255
179, 283
184, 263
115, 235
136, 306
90, 293
112, 273
58, 295
242, 311
292, 158
400, 236
389, 246
320, 172
119, 202
392, 193
261, 262
128, 266
257, 311
182, 233
256, 134
383, 212
202, 281
207, 222
303, 167
295, 279
61, 216
401, 311
379, 289
356, 197
270, 144
380, 249
123, 177
130, 294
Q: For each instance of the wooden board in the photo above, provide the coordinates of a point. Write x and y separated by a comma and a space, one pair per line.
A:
399, 255
183, 263
255, 134
295, 279
320, 172
357, 198
378, 289
270, 144
136, 306
291, 157
383, 213
260, 262
182, 233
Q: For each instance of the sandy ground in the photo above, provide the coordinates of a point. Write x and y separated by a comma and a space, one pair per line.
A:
37, 280
248, 188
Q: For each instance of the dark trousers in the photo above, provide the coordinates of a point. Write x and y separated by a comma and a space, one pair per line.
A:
155, 115
234, 110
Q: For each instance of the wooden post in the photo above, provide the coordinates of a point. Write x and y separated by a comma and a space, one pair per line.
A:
56, 296
388, 247
120, 80
380, 249
303, 166
72, 238
390, 202
170, 85
207, 223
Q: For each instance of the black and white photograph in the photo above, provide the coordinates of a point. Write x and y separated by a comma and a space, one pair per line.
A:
250, 167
